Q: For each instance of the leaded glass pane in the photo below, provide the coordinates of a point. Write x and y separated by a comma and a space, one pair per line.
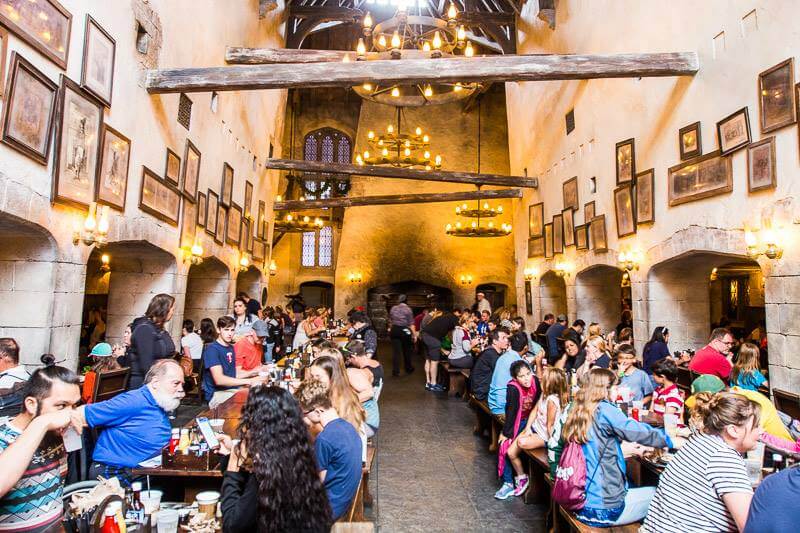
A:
309, 251
326, 247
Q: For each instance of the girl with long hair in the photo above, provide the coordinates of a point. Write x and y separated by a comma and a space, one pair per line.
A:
597, 355
746, 372
655, 349
332, 372
599, 427
208, 331
555, 396
271, 481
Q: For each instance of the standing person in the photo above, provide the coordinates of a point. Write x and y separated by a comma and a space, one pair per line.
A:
192, 345
272, 484
715, 357
482, 304
634, 379
656, 348
220, 375
553, 334
625, 321
249, 349
274, 334
433, 333
705, 487
252, 305
11, 372
150, 341
122, 350
548, 320
402, 333
746, 372
98, 329
363, 331
244, 319
461, 353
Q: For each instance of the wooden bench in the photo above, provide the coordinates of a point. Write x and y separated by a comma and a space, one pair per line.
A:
786, 402
496, 422
453, 379
538, 476
576, 525
356, 511
368, 500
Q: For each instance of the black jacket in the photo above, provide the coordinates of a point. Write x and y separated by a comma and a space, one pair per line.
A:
481, 375
148, 344
512, 406
239, 501
369, 336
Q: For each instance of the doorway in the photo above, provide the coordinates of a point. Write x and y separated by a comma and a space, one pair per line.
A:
495, 293
317, 293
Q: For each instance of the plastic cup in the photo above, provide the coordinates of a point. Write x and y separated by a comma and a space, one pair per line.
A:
168, 521
217, 424
207, 503
151, 500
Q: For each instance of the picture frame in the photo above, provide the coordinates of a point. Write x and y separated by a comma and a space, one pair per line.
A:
624, 210
188, 224
733, 131
222, 219
79, 123
569, 191
3, 54
190, 174
761, 165
99, 54
226, 189
597, 234
259, 250
233, 228
172, 168
29, 110
202, 209
158, 199
558, 234
536, 247
645, 197
261, 221
548, 240
582, 237
246, 244
588, 212
248, 200
112, 173
776, 97
625, 156
33, 21
212, 202
536, 220
699, 178
528, 297
690, 143
569, 226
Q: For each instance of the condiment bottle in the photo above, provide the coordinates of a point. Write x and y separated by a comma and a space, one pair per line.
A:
184, 442
777, 462
174, 440
109, 521
136, 505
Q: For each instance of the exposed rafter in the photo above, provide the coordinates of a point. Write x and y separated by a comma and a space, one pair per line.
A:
396, 199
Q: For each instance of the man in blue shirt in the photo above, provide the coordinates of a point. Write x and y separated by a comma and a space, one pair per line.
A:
338, 446
774, 505
502, 374
135, 425
554, 333
220, 375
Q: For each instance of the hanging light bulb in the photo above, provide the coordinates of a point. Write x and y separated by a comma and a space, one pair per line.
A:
457, 87
289, 218
418, 131
425, 138
469, 51
306, 219
366, 155
382, 41
395, 92
359, 160
438, 160
426, 46
408, 144
367, 86
361, 49
486, 205
380, 142
368, 20
407, 152
426, 155
346, 57
461, 34
452, 12
385, 152
474, 225
278, 198
396, 43
390, 129
428, 91
437, 41
370, 135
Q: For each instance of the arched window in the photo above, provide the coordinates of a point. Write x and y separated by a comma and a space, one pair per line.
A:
329, 146
317, 249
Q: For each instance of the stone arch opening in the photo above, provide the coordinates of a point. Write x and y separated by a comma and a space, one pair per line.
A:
208, 291
249, 282
419, 296
495, 293
600, 296
317, 293
552, 294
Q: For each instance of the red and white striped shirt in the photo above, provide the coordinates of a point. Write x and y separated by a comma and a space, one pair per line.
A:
667, 396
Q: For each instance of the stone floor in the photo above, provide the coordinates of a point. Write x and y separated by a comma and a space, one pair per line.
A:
432, 473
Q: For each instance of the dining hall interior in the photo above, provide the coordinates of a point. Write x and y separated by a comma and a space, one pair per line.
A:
454, 226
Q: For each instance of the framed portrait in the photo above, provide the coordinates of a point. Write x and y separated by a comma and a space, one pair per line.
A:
261, 221
247, 236
3, 52
645, 197
259, 249
536, 220
158, 198
536, 246
588, 212
558, 234
626, 161
212, 202
689, 141
233, 231
733, 131
699, 178
188, 224
247, 209
582, 237
172, 168
570, 192
761, 173
569, 226
548, 240
43, 24
226, 191
623, 210
191, 170
776, 95
97, 71
79, 122
597, 234
528, 297
29, 110
112, 172
202, 209
222, 218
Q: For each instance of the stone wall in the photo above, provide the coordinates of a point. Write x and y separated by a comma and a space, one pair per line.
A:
208, 291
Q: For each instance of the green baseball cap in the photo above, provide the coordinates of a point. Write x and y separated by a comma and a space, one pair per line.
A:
707, 383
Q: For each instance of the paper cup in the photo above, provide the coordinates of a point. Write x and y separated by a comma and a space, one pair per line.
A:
168, 521
207, 503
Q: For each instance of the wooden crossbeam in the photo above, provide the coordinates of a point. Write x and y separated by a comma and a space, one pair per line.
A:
396, 199
240, 55
401, 173
414, 71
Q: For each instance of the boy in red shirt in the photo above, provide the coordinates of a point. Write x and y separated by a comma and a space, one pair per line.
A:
667, 398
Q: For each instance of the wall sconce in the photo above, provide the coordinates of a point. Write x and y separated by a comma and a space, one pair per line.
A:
244, 263
273, 268
105, 263
94, 229
194, 255
629, 261
355, 277
763, 242
530, 273
466, 279
563, 268
626, 280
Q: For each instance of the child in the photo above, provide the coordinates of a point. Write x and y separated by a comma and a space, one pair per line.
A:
220, 375
667, 399
521, 395
104, 361
555, 395
746, 372
635, 380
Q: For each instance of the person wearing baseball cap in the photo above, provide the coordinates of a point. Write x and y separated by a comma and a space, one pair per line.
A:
104, 361
249, 350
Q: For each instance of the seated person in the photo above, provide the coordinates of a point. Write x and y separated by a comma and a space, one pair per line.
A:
220, 375
481, 376
773, 508
32, 456
191, 345
337, 447
553, 334
104, 361
135, 424
362, 380
746, 372
249, 349
572, 358
667, 398
11, 372
502, 375
463, 342
715, 357
596, 355
634, 379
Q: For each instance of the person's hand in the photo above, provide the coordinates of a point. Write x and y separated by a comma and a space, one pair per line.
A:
225, 444
234, 461
59, 421
678, 442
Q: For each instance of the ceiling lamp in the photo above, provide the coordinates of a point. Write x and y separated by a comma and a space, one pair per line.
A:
292, 223
475, 228
403, 150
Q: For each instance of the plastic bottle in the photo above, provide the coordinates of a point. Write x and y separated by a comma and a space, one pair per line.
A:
110, 521
174, 440
184, 442
137, 506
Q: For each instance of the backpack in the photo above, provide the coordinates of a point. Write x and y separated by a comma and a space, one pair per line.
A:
569, 486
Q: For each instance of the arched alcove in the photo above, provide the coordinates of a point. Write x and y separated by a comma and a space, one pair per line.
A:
317, 293
599, 295
552, 294
419, 296
208, 290
250, 282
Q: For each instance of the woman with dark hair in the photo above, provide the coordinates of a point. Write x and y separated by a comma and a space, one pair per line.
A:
270, 479
149, 340
655, 349
208, 331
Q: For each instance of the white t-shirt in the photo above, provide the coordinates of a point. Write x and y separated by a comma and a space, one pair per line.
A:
539, 425
12, 376
194, 343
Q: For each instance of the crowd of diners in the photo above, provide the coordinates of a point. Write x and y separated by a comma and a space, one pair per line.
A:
294, 462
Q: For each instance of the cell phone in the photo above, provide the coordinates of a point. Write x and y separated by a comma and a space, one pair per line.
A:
208, 433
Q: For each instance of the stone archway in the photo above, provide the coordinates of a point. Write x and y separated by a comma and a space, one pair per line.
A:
249, 282
552, 294
208, 290
598, 295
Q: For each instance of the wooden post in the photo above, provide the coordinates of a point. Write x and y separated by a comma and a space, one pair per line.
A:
396, 199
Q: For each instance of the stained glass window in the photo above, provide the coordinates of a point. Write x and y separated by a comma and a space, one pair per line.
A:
326, 247
309, 249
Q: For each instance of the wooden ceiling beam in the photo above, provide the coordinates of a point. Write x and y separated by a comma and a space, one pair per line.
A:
396, 199
472, 178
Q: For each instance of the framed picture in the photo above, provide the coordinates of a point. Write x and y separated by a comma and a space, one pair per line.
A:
536, 220
226, 192
212, 201
536, 246
588, 212
233, 231
172, 168
569, 226
43, 24
97, 72
626, 161
582, 237
597, 234
733, 131
570, 193
761, 165
112, 172
79, 122
528, 297
645, 197
222, 218
3, 51
558, 234
259, 250
624, 211
699, 178
202, 209
689, 141
776, 103
159, 199
191, 170
247, 209
29, 110
261, 222
247, 236
548, 240
188, 224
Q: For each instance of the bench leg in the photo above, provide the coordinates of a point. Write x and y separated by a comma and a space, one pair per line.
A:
494, 438
368, 501
482, 422
456, 385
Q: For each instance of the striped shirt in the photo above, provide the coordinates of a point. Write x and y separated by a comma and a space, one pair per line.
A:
664, 397
689, 494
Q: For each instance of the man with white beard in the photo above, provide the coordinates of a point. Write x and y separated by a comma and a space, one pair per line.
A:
135, 424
